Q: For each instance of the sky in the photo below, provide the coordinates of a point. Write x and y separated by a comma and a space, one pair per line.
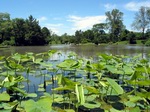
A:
67, 16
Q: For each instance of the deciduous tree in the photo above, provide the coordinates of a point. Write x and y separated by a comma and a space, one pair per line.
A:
114, 20
142, 20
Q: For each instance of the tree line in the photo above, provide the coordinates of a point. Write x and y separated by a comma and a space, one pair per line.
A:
23, 32
20, 31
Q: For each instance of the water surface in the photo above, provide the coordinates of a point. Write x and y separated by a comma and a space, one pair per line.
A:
85, 51
82, 50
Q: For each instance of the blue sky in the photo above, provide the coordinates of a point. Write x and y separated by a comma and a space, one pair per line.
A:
67, 16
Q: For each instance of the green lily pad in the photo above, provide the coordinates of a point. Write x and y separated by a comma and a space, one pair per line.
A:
41, 89
44, 104
31, 95
4, 97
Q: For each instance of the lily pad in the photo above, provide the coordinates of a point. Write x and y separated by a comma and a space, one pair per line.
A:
42, 105
4, 97
31, 95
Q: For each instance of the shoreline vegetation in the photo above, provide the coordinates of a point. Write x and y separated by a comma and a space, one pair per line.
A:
138, 42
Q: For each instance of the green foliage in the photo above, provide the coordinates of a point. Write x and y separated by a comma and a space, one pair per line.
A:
103, 84
114, 20
22, 32
142, 21
4, 97
44, 104
115, 86
147, 43
132, 38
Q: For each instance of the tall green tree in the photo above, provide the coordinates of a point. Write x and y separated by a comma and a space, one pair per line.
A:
33, 32
142, 20
78, 36
19, 31
4, 17
65, 38
88, 35
114, 20
55, 39
100, 28
46, 34
99, 33
124, 34
5, 27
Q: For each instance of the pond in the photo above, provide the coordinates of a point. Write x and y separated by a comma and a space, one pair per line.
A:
82, 50
30, 75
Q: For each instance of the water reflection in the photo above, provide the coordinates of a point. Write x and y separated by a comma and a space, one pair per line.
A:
82, 50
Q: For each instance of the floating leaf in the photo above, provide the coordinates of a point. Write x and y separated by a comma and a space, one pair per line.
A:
112, 69
58, 98
44, 104
4, 97
46, 64
41, 89
68, 63
48, 82
32, 95
41, 85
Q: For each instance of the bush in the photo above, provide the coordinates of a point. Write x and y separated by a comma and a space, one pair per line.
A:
147, 43
143, 41
6, 42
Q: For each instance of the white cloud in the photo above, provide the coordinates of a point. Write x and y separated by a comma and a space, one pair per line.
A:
110, 6
41, 19
134, 6
57, 18
56, 28
54, 25
83, 23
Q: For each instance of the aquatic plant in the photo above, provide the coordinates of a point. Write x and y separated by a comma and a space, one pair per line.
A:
35, 82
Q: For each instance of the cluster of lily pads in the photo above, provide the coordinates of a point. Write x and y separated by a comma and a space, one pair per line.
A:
106, 83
